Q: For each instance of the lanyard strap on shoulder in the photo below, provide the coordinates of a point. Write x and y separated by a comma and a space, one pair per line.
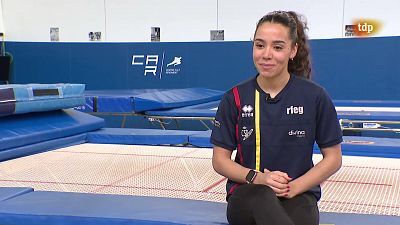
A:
257, 127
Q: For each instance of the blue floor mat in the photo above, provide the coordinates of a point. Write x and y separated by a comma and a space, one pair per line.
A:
62, 208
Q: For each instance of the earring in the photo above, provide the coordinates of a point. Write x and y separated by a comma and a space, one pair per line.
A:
291, 59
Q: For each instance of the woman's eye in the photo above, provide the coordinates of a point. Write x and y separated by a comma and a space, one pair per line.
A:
278, 48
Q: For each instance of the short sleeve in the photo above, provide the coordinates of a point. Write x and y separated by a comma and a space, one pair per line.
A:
224, 130
328, 131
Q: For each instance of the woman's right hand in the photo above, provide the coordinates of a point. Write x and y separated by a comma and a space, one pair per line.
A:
277, 180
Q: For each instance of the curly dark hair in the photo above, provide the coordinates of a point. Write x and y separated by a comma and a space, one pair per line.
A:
300, 65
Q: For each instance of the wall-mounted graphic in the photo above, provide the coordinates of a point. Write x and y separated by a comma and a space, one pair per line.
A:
95, 36
2, 45
54, 34
158, 65
349, 30
216, 35
155, 34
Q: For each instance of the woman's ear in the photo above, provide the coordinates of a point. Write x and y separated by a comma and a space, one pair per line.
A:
293, 51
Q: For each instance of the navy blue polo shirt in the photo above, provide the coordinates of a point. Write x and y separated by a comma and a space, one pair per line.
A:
276, 133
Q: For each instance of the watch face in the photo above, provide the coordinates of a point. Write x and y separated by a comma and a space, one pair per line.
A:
250, 176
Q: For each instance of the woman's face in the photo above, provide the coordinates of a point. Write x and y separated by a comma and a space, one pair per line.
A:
272, 49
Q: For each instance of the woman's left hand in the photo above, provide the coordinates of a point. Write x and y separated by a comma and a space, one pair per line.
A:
292, 192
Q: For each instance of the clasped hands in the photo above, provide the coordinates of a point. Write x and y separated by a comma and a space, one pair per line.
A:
278, 181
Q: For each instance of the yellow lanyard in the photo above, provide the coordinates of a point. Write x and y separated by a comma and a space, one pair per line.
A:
257, 124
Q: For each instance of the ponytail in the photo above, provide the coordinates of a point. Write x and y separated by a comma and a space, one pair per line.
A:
301, 63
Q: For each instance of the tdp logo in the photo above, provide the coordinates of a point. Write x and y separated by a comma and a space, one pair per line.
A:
364, 27
153, 65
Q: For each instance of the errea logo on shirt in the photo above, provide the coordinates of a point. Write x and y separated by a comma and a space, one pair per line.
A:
247, 111
295, 110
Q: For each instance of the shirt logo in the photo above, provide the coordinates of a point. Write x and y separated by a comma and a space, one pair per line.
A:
247, 111
297, 133
246, 133
295, 110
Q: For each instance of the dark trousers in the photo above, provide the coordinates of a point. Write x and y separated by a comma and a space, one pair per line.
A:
253, 204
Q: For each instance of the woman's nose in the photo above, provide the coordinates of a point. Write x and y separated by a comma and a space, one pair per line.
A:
267, 53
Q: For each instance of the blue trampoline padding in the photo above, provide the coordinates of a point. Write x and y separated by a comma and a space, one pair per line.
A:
35, 92
366, 103
24, 98
119, 92
208, 109
352, 145
48, 105
42, 147
357, 219
139, 136
366, 115
61, 208
26, 129
369, 146
134, 101
120, 100
202, 139
11, 192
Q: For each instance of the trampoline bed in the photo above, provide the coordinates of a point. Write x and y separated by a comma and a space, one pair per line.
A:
105, 181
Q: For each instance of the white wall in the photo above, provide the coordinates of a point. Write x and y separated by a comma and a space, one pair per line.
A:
239, 18
183, 20
1, 18
179, 20
30, 20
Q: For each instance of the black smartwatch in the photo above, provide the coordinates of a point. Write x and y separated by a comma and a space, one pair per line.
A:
251, 176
